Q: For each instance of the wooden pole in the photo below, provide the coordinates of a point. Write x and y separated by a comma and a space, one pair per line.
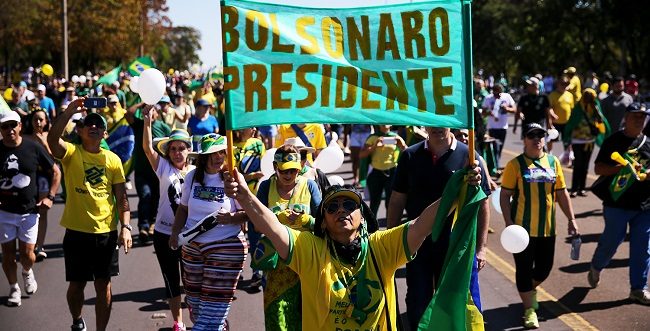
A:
471, 147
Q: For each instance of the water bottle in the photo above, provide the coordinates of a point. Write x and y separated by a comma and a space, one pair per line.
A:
575, 247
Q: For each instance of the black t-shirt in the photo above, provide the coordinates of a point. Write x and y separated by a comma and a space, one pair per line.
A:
18, 186
534, 108
637, 197
422, 181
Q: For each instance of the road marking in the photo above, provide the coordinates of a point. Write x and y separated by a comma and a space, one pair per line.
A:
562, 312
569, 170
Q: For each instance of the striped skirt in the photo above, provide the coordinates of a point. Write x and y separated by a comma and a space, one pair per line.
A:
211, 272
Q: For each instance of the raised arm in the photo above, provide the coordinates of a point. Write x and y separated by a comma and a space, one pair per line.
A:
264, 220
57, 145
147, 140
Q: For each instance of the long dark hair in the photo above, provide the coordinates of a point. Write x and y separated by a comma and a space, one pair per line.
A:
201, 165
29, 129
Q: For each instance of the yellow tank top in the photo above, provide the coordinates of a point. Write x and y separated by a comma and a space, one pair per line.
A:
298, 202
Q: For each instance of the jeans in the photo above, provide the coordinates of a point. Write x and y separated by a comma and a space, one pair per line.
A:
582, 153
148, 196
616, 221
500, 136
379, 181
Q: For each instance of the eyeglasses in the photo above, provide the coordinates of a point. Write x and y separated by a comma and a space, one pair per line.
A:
9, 125
347, 204
540, 135
288, 171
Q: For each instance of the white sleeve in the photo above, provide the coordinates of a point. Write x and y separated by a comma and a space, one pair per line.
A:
187, 188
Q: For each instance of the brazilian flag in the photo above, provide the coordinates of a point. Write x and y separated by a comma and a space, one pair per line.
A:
452, 307
121, 141
140, 64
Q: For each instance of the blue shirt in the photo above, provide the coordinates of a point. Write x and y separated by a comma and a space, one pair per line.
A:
199, 128
48, 105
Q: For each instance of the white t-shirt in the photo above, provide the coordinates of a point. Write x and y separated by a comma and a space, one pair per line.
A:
205, 200
171, 183
494, 106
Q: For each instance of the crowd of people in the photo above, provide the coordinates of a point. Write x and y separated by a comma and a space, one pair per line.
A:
303, 234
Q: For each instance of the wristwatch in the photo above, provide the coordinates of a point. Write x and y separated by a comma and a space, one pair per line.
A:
127, 226
50, 196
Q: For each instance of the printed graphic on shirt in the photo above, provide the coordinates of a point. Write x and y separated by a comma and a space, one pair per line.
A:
174, 193
539, 175
11, 176
94, 174
349, 307
209, 193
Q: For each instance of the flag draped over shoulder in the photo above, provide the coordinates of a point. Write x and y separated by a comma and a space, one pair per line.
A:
110, 77
405, 64
121, 141
451, 308
140, 64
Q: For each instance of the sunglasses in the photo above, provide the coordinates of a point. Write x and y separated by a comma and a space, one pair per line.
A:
288, 171
540, 135
347, 204
9, 125
99, 124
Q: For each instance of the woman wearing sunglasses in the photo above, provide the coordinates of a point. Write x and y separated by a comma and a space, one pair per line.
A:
292, 199
535, 180
214, 259
346, 267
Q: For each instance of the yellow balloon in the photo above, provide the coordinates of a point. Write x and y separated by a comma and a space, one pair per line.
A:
7, 94
47, 70
170, 71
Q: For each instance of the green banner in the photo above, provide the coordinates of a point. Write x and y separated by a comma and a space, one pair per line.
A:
407, 64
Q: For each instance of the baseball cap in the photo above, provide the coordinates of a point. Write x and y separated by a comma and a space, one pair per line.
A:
532, 81
570, 70
637, 108
287, 160
94, 119
212, 143
113, 99
201, 102
165, 99
9, 116
41, 87
532, 127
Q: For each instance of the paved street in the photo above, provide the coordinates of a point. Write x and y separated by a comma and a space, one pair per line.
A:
566, 300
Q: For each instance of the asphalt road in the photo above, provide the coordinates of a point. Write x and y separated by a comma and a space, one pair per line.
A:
567, 302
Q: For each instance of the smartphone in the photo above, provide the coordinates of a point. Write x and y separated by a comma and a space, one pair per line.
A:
389, 140
95, 103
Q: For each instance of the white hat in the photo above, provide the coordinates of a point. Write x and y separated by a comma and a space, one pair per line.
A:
298, 144
41, 87
9, 116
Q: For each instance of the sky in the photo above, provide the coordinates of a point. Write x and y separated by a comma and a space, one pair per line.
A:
203, 15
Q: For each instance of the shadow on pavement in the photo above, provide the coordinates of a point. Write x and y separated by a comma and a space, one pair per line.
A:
584, 266
590, 213
153, 298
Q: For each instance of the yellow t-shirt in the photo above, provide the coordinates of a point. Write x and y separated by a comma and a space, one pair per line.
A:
314, 132
89, 179
327, 284
562, 103
534, 183
383, 157
575, 88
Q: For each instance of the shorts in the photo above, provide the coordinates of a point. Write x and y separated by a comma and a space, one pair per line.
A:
90, 256
358, 139
21, 226
43, 184
268, 131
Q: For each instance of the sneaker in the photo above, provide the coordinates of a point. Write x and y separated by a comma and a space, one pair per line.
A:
530, 319
179, 326
640, 296
593, 277
40, 254
144, 236
256, 280
14, 299
30, 282
78, 325
535, 302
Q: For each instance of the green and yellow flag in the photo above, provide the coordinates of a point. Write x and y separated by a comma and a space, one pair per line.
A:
110, 77
140, 64
451, 308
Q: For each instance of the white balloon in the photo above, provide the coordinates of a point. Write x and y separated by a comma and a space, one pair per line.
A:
514, 239
82, 79
334, 139
134, 84
495, 200
335, 180
552, 134
329, 159
151, 86
267, 163
75, 79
